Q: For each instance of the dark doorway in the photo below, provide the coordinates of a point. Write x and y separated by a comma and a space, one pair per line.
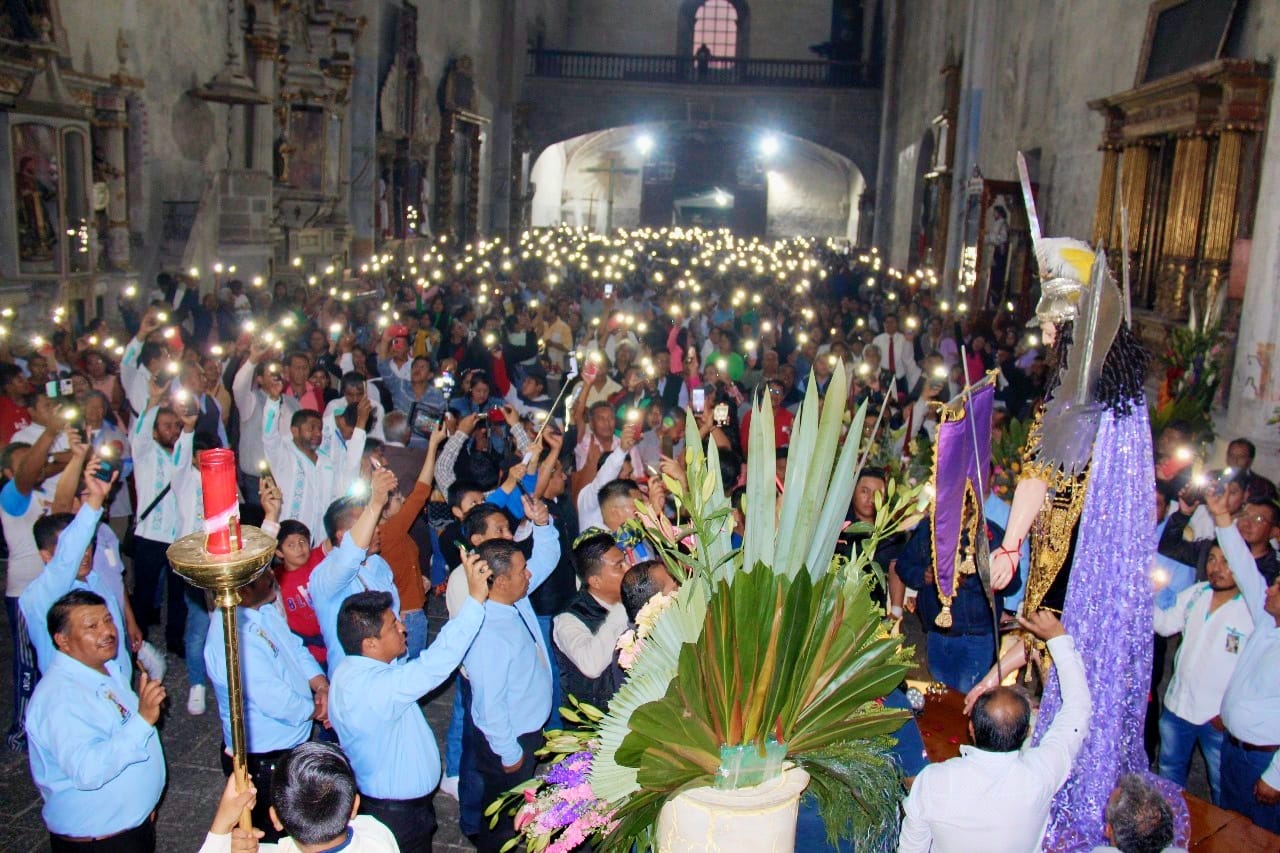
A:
708, 176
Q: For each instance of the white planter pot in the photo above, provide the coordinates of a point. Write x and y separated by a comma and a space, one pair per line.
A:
762, 817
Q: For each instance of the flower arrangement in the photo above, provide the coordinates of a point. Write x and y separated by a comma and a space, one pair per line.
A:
560, 811
632, 640
1006, 458
772, 649
1195, 359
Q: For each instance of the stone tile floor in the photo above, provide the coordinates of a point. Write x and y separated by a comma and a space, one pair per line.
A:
192, 745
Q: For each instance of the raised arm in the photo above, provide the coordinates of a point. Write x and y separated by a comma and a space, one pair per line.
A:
546, 542
1253, 587
32, 470
1057, 750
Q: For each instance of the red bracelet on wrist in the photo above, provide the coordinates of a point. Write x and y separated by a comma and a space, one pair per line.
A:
1015, 551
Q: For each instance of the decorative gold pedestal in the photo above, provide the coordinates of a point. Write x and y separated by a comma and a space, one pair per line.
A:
224, 575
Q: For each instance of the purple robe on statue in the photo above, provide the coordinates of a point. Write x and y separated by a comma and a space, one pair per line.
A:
1109, 613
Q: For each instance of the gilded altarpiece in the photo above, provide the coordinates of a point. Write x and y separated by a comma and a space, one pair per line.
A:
1180, 161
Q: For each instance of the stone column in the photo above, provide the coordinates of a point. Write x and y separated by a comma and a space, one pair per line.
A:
975, 78
264, 45
1182, 226
887, 162
1255, 386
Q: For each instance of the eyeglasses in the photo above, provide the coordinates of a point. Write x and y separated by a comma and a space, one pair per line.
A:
775, 392
1254, 517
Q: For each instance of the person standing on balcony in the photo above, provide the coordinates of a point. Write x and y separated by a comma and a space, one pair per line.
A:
702, 58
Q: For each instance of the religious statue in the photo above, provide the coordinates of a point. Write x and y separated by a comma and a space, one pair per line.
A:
1086, 501
459, 87
36, 202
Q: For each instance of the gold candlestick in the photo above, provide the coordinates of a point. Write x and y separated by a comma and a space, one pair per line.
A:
224, 575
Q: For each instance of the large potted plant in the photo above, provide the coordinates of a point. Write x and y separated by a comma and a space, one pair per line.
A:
758, 680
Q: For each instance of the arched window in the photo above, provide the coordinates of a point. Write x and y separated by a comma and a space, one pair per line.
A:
715, 25
722, 25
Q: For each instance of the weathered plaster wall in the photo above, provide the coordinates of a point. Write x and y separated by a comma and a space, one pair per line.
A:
185, 139
1048, 58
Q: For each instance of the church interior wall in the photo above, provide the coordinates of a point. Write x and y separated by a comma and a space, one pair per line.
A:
185, 138
1048, 59
812, 191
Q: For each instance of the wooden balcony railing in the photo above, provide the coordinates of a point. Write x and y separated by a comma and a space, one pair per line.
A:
582, 65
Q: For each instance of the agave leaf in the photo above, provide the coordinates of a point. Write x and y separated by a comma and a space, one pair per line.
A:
761, 499
804, 438
836, 504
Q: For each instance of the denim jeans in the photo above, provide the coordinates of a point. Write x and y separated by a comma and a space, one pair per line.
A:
1178, 739
1240, 770
557, 691
453, 737
471, 803
25, 674
415, 626
960, 661
197, 628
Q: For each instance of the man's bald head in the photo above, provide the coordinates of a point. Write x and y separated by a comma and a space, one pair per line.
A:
1001, 719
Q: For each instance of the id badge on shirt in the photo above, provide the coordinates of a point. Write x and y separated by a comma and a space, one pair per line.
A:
1234, 639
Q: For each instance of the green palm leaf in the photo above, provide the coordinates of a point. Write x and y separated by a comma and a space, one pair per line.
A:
757, 647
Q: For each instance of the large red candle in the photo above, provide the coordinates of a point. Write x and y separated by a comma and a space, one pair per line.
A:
221, 507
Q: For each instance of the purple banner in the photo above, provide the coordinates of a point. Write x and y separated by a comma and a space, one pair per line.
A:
961, 464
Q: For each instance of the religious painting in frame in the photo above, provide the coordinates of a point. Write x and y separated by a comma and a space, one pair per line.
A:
1182, 34
308, 133
37, 182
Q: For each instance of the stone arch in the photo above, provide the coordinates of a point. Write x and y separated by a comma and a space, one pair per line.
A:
684, 27
810, 188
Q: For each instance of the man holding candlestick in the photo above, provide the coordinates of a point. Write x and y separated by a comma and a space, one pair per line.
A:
284, 689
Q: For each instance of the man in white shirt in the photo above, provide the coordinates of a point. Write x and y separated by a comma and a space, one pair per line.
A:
1250, 770
312, 464
250, 388
995, 797
161, 442
587, 632
1214, 622
899, 354
142, 363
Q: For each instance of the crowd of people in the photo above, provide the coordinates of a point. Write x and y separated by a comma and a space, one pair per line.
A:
480, 423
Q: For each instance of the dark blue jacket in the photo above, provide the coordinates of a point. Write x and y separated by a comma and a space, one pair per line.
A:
970, 613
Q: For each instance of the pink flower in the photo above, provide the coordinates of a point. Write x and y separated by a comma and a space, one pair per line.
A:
528, 795
524, 817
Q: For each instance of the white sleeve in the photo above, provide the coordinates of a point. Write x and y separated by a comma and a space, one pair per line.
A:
590, 653
1057, 751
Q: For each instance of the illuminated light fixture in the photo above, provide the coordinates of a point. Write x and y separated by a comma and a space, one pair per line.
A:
644, 144
769, 145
